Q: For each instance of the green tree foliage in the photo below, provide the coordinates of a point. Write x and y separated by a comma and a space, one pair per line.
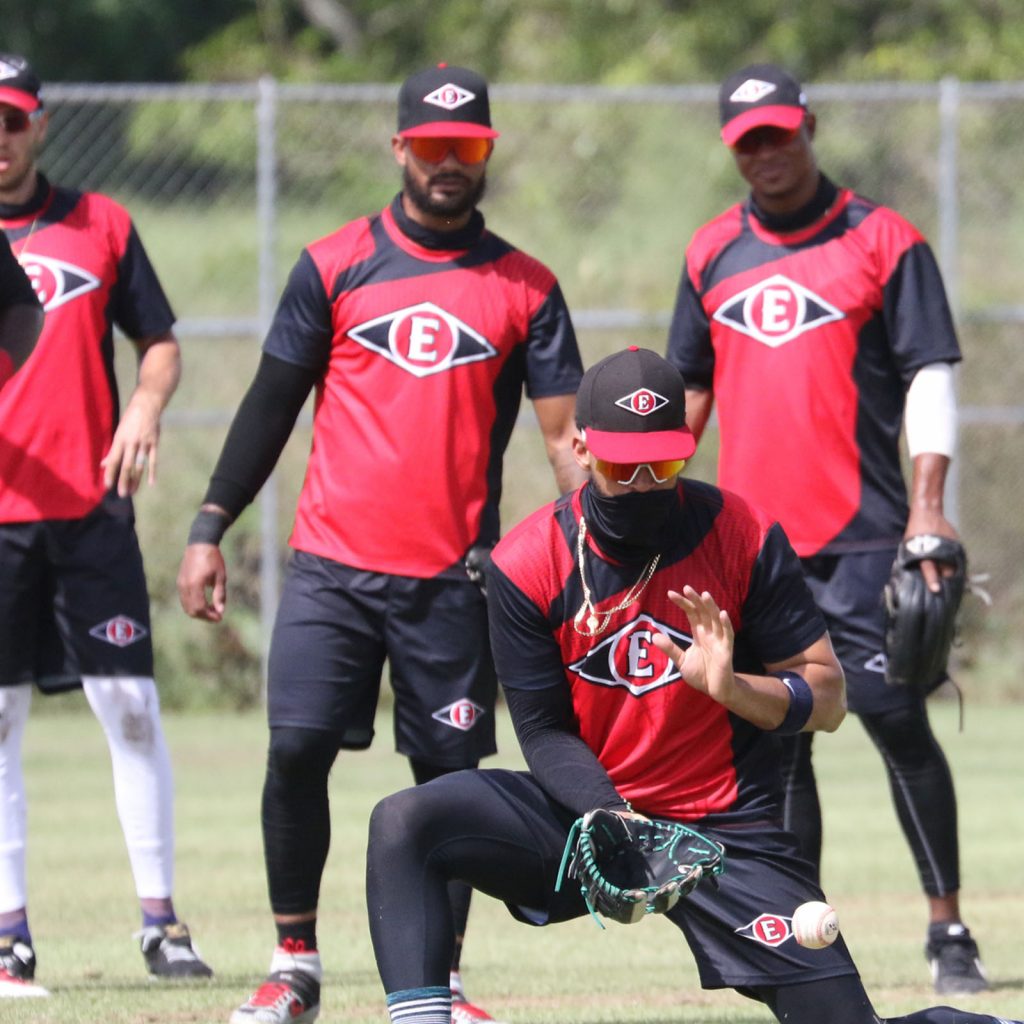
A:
608, 41
112, 40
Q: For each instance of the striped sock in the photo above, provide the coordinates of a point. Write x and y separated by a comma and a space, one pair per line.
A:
431, 1005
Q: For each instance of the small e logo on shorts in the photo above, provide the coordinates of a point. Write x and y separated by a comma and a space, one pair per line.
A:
461, 715
121, 631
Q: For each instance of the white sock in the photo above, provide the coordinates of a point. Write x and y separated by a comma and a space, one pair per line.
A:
128, 708
14, 704
285, 960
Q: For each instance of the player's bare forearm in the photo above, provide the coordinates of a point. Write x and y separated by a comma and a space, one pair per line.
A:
137, 436
699, 402
706, 665
927, 509
556, 416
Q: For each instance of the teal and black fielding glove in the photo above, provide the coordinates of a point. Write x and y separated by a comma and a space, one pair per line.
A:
630, 867
921, 624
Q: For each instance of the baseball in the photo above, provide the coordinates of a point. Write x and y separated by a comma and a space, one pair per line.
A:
815, 925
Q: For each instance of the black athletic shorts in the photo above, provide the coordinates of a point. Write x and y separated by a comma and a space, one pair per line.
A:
73, 600
738, 927
849, 591
335, 628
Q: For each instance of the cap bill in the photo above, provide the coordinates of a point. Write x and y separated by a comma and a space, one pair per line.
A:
641, 446
449, 130
761, 117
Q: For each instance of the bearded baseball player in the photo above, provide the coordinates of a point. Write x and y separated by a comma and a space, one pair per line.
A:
74, 611
818, 322
654, 637
418, 330
21, 314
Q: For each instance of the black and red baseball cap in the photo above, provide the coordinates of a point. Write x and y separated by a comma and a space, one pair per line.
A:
632, 406
445, 102
19, 84
759, 95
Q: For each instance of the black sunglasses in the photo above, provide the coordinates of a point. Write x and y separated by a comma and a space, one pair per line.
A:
17, 121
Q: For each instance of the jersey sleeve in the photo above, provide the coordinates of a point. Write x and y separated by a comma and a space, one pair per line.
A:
526, 654
917, 314
689, 336
553, 362
139, 305
301, 331
15, 287
780, 617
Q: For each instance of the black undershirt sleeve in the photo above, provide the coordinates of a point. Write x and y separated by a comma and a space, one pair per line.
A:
259, 432
566, 768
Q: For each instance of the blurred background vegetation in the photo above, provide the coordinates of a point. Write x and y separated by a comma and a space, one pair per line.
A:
604, 187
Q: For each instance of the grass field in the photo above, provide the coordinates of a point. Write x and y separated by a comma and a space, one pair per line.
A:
83, 907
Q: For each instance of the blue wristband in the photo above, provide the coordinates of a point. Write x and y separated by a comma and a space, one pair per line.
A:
801, 703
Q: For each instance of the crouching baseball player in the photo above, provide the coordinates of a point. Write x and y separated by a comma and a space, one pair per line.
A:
655, 638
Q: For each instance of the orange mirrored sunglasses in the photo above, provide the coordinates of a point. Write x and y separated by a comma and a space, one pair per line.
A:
626, 472
466, 150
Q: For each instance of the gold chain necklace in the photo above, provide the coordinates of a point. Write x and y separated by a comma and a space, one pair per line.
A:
597, 622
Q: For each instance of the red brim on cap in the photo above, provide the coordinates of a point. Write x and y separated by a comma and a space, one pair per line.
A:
449, 130
630, 446
775, 117
22, 100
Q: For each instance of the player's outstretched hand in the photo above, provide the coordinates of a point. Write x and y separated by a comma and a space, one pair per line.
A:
706, 664
202, 582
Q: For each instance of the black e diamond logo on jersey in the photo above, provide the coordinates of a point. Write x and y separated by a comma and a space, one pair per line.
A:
643, 401
423, 339
461, 715
768, 929
120, 631
55, 281
449, 96
776, 310
629, 658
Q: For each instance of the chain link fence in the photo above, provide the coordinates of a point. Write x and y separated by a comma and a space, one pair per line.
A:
605, 185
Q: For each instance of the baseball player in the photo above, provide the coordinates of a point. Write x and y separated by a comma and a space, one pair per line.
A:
21, 315
418, 329
654, 637
74, 611
818, 321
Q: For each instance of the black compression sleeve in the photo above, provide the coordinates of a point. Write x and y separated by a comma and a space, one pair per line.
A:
259, 432
566, 768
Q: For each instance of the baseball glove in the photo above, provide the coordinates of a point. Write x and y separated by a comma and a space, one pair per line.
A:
630, 867
921, 625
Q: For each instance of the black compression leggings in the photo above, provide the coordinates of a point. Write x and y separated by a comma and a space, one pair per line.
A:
922, 791
296, 816
296, 819
459, 894
844, 1001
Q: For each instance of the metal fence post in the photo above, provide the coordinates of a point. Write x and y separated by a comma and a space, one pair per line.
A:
949, 237
266, 214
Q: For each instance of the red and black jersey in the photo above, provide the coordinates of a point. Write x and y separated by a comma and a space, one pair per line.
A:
669, 749
809, 339
58, 413
424, 353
